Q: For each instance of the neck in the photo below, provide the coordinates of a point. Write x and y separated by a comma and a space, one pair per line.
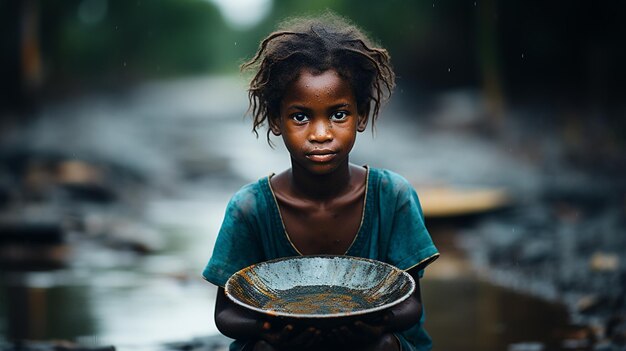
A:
320, 186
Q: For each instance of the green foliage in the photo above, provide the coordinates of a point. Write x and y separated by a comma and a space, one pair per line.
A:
133, 39
143, 39
171, 37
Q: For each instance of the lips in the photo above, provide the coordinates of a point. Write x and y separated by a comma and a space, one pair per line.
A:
321, 155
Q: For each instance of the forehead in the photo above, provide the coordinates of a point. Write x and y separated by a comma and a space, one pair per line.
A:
318, 87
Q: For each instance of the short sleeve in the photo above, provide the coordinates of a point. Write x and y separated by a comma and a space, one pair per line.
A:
236, 246
410, 246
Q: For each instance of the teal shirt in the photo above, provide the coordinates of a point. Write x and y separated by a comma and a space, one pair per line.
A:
392, 230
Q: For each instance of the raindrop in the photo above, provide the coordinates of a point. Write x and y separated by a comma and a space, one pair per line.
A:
124, 63
448, 69
235, 43
474, 3
522, 55
433, 4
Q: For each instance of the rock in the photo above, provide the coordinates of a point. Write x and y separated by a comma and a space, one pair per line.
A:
217, 342
5, 195
616, 329
83, 181
136, 236
36, 239
78, 172
84, 348
586, 303
604, 261
603, 346
31, 233
537, 250
577, 337
96, 193
526, 346
575, 344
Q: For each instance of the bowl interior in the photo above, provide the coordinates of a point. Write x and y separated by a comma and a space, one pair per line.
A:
319, 286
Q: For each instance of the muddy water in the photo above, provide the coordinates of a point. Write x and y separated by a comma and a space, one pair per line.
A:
469, 314
189, 138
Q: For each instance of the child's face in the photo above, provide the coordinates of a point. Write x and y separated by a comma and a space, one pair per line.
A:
318, 121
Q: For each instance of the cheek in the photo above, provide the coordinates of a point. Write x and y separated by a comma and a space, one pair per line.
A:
293, 140
347, 129
347, 135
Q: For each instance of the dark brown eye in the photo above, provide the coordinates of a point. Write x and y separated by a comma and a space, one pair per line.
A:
339, 116
299, 117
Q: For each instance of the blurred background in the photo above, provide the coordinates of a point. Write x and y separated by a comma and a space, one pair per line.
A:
122, 137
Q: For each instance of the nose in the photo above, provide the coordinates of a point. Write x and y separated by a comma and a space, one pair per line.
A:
320, 131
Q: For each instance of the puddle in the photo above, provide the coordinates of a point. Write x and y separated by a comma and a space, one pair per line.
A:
464, 312
469, 314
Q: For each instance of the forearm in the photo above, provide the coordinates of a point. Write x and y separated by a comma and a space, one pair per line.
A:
405, 314
409, 312
236, 326
233, 321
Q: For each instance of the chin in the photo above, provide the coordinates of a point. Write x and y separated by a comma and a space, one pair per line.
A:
323, 169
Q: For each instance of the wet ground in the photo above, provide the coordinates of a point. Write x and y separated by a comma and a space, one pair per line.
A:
137, 183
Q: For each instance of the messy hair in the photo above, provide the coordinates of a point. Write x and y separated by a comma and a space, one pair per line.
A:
320, 43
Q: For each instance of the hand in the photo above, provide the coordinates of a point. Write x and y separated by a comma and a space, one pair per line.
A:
289, 338
361, 332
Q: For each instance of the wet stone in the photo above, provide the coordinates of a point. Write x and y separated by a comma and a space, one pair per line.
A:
209, 343
526, 346
604, 261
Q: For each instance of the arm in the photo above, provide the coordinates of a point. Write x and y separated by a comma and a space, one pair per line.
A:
236, 322
403, 315
233, 320
398, 318
407, 313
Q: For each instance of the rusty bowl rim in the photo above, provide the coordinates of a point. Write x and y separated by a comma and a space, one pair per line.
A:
321, 316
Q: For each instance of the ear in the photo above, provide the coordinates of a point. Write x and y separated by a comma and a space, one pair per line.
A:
361, 123
274, 123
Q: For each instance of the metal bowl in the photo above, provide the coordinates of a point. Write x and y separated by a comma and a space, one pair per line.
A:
319, 287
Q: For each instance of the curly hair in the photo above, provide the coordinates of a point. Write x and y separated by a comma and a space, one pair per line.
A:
321, 43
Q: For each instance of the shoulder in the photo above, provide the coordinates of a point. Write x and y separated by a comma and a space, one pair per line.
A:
391, 182
248, 198
394, 190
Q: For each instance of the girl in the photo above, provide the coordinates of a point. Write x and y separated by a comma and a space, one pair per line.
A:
318, 82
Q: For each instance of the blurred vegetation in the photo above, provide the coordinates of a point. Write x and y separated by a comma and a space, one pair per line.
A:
434, 44
85, 41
